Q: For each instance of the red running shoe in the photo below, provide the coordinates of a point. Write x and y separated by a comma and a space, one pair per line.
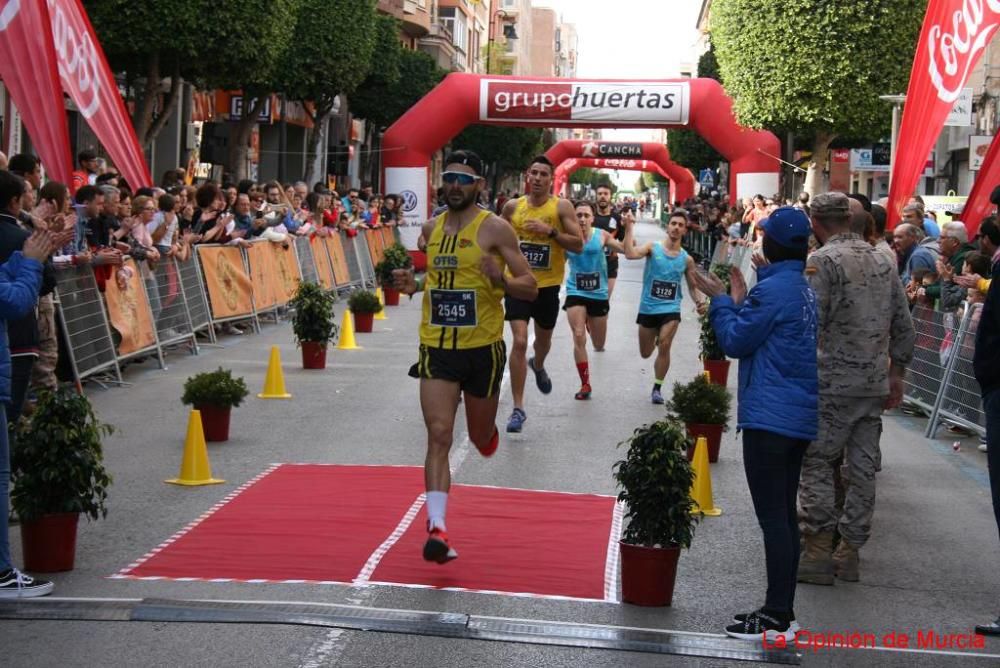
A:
583, 394
437, 548
490, 448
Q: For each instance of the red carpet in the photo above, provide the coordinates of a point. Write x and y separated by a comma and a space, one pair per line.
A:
343, 524
512, 540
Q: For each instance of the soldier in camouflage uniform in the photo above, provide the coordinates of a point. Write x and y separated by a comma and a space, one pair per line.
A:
865, 341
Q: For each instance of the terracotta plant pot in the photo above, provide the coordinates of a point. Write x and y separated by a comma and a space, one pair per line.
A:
363, 322
48, 544
215, 422
313, 355
718, 371
648, 574
713, 432
391, 296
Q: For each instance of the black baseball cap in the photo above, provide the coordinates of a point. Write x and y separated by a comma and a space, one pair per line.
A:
467, 158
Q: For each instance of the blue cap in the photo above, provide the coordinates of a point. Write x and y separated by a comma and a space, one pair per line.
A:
789, 227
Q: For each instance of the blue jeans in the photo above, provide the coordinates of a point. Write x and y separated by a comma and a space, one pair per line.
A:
5, 562
991, 408
773, 463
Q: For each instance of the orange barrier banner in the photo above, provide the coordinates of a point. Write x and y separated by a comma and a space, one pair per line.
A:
387, 237
374, 250
322, 260
341, 275
128, 309
226, 279
285, 275
261, 269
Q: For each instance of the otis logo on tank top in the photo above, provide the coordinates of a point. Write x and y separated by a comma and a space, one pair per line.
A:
621, 101
446, 262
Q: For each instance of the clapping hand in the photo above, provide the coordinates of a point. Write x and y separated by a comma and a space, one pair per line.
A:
709, 284
737, 285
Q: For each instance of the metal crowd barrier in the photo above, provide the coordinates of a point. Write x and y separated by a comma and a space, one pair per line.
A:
85, 321
925, 374
307, 263
959, 399
177, 299
698, 244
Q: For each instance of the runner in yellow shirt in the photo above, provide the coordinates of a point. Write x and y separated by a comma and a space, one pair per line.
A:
546, 228
462, 351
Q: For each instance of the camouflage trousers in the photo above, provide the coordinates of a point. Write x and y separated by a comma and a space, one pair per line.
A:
845, 453
43, 373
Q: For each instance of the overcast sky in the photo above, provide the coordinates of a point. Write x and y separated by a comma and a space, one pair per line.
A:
631, 39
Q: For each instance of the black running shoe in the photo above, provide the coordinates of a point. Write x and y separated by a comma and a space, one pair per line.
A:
542, 379
437, 548
15, 584
759, 625
742, 617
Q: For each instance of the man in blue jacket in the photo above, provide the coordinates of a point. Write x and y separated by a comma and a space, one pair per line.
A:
772, 331
20, 280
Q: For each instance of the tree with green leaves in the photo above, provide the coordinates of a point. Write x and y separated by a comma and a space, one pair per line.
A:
496, 59
332, 50
688, 148
123, 28
244, 44
815, 68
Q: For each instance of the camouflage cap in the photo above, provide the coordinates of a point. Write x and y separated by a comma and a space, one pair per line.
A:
830, 205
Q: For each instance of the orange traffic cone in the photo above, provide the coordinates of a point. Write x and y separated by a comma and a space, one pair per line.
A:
381, 300
195, 469
701, 488
274, 382
347, 341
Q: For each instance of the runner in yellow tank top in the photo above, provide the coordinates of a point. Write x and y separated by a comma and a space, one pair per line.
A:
462, 352
546, 228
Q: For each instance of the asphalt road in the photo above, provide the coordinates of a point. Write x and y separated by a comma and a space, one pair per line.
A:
929, 565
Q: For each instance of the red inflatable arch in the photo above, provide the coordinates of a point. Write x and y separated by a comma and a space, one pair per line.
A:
464, 99
626, 155
566, 169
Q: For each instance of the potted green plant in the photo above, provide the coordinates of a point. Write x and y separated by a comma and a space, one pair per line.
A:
313, 323
364, 305
393, 257
655, 481
712, 356
57, 473
215, 394
703, 407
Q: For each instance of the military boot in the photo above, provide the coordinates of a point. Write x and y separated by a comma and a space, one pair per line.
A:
845, 562
816, 562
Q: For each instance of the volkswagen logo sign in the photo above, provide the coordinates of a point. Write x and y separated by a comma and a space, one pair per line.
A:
409, 200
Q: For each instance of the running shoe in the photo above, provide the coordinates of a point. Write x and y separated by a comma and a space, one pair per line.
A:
759, 624
516, 421
438, 549
583, 394
656, 397
490, 448
15, 584
792, 625
542, 379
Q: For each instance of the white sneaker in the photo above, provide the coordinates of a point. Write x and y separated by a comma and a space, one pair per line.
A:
15, 584
232, 330
982, 446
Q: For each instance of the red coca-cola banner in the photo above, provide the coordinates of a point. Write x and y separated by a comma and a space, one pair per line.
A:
952, 39
29, 73
88, 80
978, 205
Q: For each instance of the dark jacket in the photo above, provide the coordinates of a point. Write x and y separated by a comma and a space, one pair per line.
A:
20, 280
22, 332
773, 335
986, 359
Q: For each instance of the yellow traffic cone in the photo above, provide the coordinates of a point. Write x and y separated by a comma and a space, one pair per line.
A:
274, 381
381, 300
195, 469
347, 333
701, 488
707, 375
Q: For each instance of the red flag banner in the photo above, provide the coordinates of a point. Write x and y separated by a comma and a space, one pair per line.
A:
88, 80
953, 37
978, 204
28, 69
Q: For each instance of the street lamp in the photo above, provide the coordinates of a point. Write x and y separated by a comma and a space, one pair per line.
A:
897, 104
509, 34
